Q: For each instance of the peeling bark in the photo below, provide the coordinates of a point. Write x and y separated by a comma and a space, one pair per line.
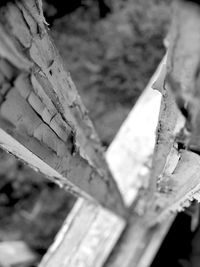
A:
40, 107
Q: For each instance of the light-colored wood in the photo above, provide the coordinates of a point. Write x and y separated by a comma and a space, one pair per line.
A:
130, 154
86, 238
41, 112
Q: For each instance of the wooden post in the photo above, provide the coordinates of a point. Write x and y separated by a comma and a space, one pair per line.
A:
42, 119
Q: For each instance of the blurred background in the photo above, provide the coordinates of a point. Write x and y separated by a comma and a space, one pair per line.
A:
111, 48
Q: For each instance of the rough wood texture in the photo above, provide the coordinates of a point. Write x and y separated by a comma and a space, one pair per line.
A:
42, 111
176, 159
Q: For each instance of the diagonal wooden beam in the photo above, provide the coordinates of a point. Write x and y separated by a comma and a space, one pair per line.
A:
42, 117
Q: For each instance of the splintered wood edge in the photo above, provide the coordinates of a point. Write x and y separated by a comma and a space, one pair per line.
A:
129, 157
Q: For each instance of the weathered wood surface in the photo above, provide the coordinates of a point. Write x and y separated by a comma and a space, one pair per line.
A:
176, 163
37, 112
42, 113
129, 157
86, 238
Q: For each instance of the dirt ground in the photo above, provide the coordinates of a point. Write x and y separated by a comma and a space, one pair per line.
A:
111, 52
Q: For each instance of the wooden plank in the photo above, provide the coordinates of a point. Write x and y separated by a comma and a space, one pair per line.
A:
129, 157
86, 237
42, 113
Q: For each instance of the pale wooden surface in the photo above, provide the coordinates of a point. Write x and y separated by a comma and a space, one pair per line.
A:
86, 238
